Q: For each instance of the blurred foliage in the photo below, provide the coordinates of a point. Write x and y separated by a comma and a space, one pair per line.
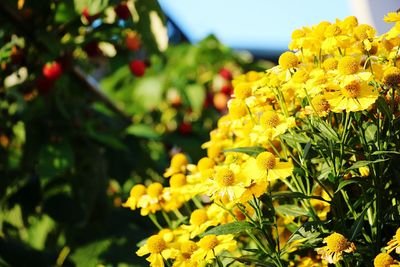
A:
70, 152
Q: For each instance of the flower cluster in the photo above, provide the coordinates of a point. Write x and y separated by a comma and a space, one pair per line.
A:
306, 149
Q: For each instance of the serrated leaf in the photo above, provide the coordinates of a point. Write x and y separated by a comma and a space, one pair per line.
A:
291, 210
308, 231
252, 151
229, 228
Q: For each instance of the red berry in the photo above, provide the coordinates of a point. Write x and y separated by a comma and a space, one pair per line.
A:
122, 11
227, 89
138, 68
52, 70
185, 128
226, 74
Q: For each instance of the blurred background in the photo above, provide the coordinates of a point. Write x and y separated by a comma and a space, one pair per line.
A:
97, 95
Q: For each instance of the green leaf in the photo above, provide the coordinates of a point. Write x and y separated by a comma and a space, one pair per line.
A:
229, 228
142, 130
308, 231
196, 95
55, 160
383, 107
94, 6
344, 183
293, 139
385, 152
356, 227
306, 150
291, 210
252, 151
363, 163
326, 130
370, 133
65, 11
39, 230
292, 195
88, 255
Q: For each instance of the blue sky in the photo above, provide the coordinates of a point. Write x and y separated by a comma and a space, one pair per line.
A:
258, 25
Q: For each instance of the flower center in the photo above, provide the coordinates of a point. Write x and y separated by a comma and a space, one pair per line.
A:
352, 89
391, 76
383, 260
348, 65
198, 217
242, 91
320, 104
266, 160
269, 119
336, 242
225, 177
155, 189
208, 242
288, 60
156, 244
330, 64
187, 249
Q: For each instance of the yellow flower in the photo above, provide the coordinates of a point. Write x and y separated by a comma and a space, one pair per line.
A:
330, 64
151, 201
391, 76
320, 105
211, 246
184, 257
348, 65
266, 167
178, 165
384, 260
199, 222
336, 244
227, 182
135, 194
158, 249
392, 17
288, 60
394, 244
308, 261
355, 94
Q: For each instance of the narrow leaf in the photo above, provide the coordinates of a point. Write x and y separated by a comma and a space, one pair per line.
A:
229, 228
252, 151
